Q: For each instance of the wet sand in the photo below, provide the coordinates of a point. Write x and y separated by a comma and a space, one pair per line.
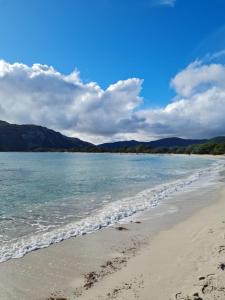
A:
178, 255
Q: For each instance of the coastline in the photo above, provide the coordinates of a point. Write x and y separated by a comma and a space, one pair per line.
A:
183, 262
128, 263
131, 204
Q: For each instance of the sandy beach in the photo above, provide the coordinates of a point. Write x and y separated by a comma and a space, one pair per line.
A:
178, 255
112, 150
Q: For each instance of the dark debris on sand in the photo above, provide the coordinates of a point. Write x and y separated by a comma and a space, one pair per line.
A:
56, 298
121, 228
221, 266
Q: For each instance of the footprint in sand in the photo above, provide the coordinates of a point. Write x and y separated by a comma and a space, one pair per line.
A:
207, 289
221, 249
179, 296
196, 297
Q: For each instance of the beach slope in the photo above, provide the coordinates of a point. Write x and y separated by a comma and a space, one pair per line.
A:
184, 260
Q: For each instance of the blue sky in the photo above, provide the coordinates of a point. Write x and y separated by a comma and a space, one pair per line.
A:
113, 40
109, 40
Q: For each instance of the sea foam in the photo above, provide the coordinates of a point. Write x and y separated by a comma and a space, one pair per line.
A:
111, 213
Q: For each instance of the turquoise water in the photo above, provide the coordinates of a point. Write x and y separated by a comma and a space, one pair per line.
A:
47, 197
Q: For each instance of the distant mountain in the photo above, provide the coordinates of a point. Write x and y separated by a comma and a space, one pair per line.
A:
215, 146
166, 142
218, 139
118, 145
175, 142
37, 138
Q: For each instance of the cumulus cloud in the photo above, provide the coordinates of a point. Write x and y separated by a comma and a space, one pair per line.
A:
199, 108
39, 94
198, 77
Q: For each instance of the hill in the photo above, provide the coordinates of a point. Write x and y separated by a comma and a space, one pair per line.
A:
161, 143
37, 138
213, 146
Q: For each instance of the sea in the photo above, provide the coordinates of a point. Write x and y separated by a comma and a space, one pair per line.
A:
46, 198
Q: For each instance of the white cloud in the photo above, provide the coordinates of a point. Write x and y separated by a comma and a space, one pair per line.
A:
209, 57
199, 108
170, 3
41, 95
197, 76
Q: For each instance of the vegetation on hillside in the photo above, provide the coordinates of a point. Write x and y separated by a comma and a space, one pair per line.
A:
41, 139
211, 147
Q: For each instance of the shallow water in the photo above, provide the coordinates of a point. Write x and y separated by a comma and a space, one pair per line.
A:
48, 197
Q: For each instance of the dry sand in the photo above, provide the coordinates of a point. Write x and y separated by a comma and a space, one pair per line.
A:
180, 258
184, 262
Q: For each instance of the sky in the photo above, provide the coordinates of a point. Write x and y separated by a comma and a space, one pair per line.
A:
108, 70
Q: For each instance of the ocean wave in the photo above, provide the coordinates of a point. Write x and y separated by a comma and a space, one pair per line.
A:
110, 214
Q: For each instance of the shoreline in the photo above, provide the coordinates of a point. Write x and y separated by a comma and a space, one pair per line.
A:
184, 262
117, 212
80, 267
